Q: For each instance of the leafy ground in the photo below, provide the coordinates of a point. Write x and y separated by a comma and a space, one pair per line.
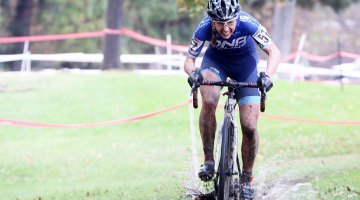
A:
151, 158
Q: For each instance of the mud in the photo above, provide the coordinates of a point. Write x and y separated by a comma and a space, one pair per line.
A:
278, 189
270, 183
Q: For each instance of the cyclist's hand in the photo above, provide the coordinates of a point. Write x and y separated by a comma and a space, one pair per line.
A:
266, 82
195, 77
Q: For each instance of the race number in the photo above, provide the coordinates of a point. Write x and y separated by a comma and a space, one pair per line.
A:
195, 46
262, 37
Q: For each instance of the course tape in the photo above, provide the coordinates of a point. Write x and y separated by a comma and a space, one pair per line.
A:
161, 43
7, 122
307, 121
124, 31
317, 58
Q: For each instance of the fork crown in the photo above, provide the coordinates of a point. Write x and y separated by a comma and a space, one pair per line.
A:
230, 105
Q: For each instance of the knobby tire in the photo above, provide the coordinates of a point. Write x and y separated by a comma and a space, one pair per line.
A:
225, 166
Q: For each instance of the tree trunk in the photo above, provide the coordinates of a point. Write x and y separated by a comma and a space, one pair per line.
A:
20, 26
283, 25
111, 47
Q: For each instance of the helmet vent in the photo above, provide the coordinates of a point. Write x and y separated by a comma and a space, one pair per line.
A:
223, 10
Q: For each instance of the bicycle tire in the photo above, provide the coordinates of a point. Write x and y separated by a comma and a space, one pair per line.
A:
225, 165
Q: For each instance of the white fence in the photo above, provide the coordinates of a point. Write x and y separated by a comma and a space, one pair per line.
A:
173, 62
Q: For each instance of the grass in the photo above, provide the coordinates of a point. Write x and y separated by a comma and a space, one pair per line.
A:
339, 185
151, 158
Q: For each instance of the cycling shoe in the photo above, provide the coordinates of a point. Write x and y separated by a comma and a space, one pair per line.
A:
247, 192
206, 172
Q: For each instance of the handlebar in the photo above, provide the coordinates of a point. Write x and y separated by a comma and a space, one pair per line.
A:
234, 85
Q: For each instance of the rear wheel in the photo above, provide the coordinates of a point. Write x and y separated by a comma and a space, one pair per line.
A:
223, 180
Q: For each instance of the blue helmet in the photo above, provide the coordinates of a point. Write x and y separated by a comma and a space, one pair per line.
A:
223, 10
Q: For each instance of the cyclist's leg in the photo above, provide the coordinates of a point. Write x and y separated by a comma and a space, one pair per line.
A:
249, 106
207, 124
248, 100
249, 114
207, 121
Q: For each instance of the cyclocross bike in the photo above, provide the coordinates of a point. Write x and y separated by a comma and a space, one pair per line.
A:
227, 165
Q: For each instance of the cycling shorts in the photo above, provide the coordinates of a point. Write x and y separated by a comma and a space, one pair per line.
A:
242, 68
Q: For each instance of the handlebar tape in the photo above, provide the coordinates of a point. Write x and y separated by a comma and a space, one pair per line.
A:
262, 102
195, 98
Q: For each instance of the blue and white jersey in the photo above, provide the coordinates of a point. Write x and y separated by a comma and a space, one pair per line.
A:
241, 41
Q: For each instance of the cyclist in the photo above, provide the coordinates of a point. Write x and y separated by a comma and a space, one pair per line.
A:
232, 53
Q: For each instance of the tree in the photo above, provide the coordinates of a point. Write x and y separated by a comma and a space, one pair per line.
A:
192, 7
111, 48
158, 18
20, 26
283, 24
285, 14
338, 5
64, 16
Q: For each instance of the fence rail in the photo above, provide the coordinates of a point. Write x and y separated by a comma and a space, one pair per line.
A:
171, 60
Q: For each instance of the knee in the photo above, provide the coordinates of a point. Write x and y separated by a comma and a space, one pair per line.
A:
249, 132
209, 104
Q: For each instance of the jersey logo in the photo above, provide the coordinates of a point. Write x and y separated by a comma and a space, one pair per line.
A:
234, 44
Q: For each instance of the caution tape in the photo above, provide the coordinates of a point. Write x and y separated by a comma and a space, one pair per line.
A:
161, 43
8, 122
307, 121
317, 58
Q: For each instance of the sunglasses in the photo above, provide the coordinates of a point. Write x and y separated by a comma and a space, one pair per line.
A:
227, 23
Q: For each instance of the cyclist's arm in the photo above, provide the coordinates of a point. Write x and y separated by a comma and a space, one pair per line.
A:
202, 34
194, 51
263, 39
274, 57
189, 64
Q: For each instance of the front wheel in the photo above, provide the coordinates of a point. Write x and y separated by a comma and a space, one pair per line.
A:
224, 175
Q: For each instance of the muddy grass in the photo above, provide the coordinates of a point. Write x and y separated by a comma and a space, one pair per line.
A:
278, 189
282, 178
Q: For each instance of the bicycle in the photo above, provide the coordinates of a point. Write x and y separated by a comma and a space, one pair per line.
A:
227, 163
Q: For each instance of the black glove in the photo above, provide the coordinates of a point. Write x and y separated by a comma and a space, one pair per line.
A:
265, 81
195, 77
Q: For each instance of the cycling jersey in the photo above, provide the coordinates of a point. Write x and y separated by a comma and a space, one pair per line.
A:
241, 41
235, 57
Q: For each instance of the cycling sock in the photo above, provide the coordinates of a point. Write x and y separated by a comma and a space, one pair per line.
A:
246, 177
209, 162
209, 158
